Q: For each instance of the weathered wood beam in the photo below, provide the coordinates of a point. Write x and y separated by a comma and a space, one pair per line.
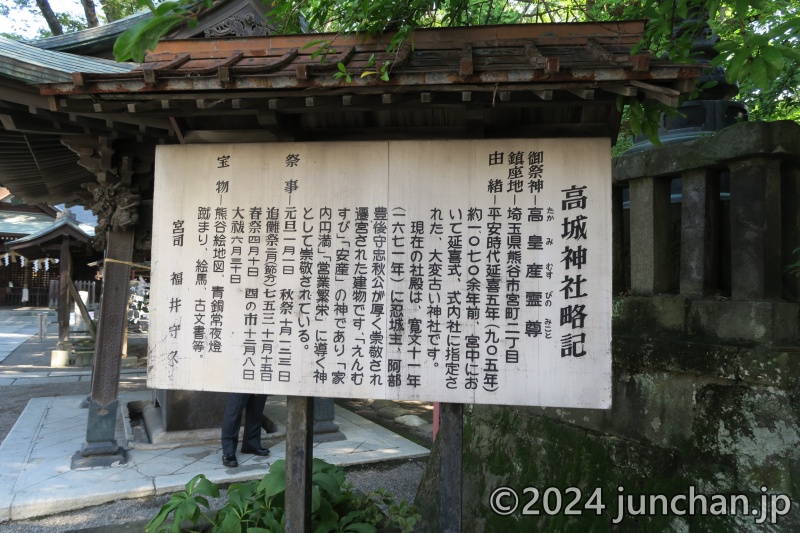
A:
82, 308
322, 101
211, 104
354, 99
143, 107
475, 119
664, 95
465, 66
583, 94
108, 107
30, 124
299, 456
624, 90
228, 136
278, 103
276, 124
451, 432
177, 129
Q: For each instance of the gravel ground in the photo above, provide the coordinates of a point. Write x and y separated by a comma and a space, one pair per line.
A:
400, 478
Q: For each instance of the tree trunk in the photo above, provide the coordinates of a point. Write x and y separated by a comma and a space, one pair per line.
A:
108, 11
50, 17
91, 14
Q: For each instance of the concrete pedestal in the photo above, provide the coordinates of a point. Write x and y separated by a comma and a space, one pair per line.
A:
59, 358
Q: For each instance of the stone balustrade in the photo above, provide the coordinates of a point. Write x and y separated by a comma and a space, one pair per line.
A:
757, 301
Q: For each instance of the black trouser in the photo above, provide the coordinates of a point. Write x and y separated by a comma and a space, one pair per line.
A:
253, 406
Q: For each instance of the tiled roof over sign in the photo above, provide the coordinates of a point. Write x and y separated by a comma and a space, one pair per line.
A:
32, 65
536, 57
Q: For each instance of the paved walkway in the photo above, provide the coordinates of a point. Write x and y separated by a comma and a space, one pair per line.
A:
35, 457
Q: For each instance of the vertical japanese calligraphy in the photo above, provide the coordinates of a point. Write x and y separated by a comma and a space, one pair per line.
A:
459, 271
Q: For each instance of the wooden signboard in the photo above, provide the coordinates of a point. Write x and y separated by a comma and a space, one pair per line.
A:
456, 271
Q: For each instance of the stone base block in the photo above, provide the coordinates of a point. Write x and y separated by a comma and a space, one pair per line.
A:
737, 321
190, 410
59, 358
769, 323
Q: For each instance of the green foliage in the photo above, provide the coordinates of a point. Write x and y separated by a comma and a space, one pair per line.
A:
70, 23
184, 505
117, 9
258, 506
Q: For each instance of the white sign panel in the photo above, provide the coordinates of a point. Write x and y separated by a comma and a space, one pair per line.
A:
455, 271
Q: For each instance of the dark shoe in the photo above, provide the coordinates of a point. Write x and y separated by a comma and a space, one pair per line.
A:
263, 452
230, 460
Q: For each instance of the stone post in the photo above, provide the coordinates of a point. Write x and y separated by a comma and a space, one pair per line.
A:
699, 232
756, 229
790, 211
617, 241
325, 429
101, 448
649, 235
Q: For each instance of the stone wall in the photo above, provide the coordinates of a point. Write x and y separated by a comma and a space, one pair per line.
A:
706, 393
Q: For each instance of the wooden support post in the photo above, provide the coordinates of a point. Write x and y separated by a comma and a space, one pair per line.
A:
82, 308
451, 429
101, 448
299, 454
63, 295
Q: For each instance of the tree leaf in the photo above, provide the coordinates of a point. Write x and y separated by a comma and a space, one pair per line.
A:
773, 57
165, 7
272, 484
360, 527
328, 483
143, 36
788, 52
758, 72
316, 497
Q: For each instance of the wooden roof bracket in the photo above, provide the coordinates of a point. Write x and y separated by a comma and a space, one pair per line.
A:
224, 73
305, 70
639, 62
550, 65
213, 69
151, 72
403, 56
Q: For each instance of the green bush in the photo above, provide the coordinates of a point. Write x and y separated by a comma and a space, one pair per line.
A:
258, 506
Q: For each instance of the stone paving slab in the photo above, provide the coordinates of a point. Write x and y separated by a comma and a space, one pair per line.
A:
36, 479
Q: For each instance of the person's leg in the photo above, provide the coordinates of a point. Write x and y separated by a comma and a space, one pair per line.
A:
253, 416
231, 420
